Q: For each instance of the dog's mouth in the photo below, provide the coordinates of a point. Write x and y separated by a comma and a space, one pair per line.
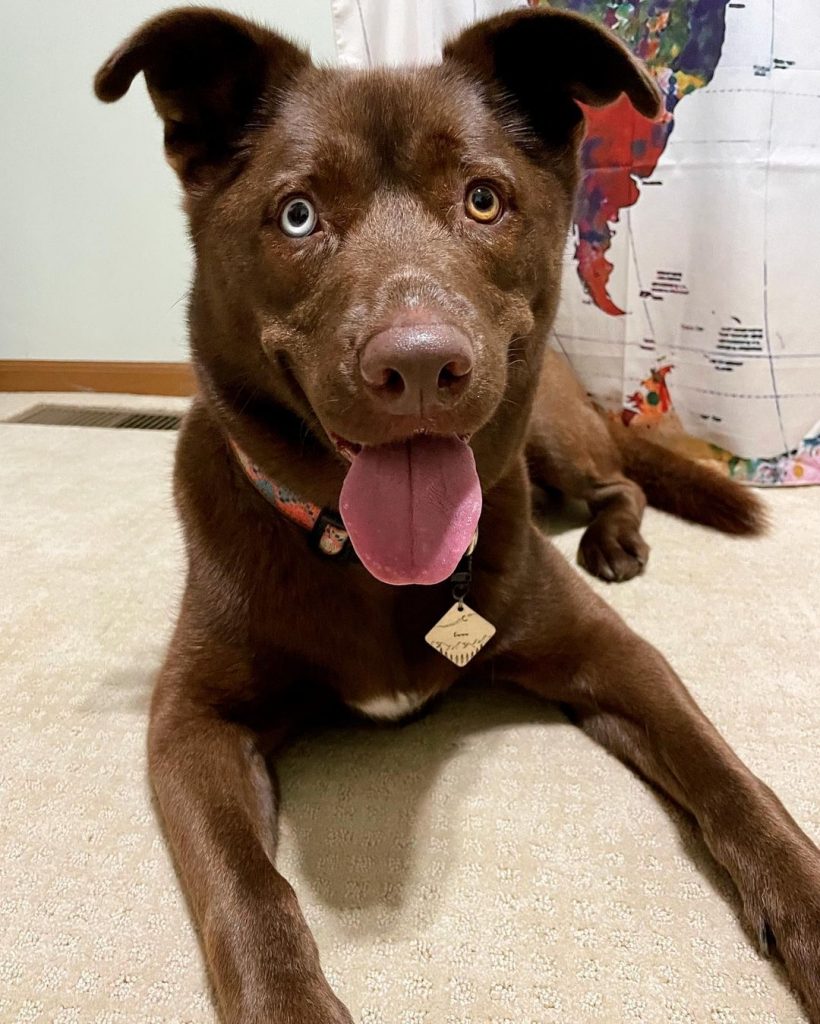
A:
411, 507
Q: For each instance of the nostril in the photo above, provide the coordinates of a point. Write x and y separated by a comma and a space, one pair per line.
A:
393, 382
453, 373
383, 378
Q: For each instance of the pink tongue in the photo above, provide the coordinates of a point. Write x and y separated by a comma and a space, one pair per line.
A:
411, 509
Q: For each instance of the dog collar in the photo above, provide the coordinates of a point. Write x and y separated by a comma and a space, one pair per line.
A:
327, 532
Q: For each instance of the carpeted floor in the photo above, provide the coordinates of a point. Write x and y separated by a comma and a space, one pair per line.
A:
485, 865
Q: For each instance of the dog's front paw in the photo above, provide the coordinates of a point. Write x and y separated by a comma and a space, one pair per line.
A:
613, 551
785, 920
309, 1001
310, 1011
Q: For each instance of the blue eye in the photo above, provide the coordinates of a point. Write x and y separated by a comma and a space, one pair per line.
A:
298, 217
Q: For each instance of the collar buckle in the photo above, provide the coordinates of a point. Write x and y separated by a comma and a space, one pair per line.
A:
329, 537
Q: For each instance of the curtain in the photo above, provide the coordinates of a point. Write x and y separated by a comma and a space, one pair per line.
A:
692, 272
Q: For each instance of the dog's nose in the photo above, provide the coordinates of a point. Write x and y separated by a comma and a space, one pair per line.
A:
417, 368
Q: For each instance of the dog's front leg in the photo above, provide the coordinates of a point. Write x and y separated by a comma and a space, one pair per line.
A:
219, 809
572, 648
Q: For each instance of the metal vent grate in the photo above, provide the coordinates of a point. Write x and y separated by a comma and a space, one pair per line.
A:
92, 416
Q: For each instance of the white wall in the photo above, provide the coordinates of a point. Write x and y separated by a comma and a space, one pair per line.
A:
94, 260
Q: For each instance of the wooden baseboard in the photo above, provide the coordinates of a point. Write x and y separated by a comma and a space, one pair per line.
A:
122, 378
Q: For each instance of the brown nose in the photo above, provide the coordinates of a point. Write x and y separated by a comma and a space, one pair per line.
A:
415, 369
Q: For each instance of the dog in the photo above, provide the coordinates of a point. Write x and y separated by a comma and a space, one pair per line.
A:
377, 268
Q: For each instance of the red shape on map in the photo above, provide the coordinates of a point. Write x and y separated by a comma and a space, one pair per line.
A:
620, 147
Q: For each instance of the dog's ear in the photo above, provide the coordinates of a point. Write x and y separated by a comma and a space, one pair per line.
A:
208, 72
542, 61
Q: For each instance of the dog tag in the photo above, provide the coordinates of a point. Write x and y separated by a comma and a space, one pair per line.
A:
460, 634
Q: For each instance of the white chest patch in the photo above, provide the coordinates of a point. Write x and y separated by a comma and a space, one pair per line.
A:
391, 707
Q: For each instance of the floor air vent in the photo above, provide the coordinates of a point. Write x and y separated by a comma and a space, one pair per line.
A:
92, 416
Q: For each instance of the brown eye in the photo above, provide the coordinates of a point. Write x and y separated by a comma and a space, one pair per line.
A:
483, 204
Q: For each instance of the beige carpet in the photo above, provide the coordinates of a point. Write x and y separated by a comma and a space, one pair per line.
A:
486, 865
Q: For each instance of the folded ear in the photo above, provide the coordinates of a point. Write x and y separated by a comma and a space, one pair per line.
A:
542, 61
208, 73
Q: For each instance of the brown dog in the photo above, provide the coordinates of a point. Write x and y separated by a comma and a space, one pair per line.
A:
378, 258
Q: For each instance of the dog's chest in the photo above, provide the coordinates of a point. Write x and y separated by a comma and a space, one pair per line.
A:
391, 706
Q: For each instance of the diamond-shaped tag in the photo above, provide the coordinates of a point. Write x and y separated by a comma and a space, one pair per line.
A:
460, 634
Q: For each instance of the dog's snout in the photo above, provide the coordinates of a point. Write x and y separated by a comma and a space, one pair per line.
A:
417, 368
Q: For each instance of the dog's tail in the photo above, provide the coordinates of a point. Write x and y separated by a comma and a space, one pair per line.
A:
676, 484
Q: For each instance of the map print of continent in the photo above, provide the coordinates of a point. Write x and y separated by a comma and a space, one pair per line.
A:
681, 42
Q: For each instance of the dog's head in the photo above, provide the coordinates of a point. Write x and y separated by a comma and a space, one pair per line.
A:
378, 253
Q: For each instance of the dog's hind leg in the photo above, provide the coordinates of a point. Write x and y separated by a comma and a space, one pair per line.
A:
570, 449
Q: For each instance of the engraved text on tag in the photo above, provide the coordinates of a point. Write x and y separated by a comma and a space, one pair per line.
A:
460, 634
